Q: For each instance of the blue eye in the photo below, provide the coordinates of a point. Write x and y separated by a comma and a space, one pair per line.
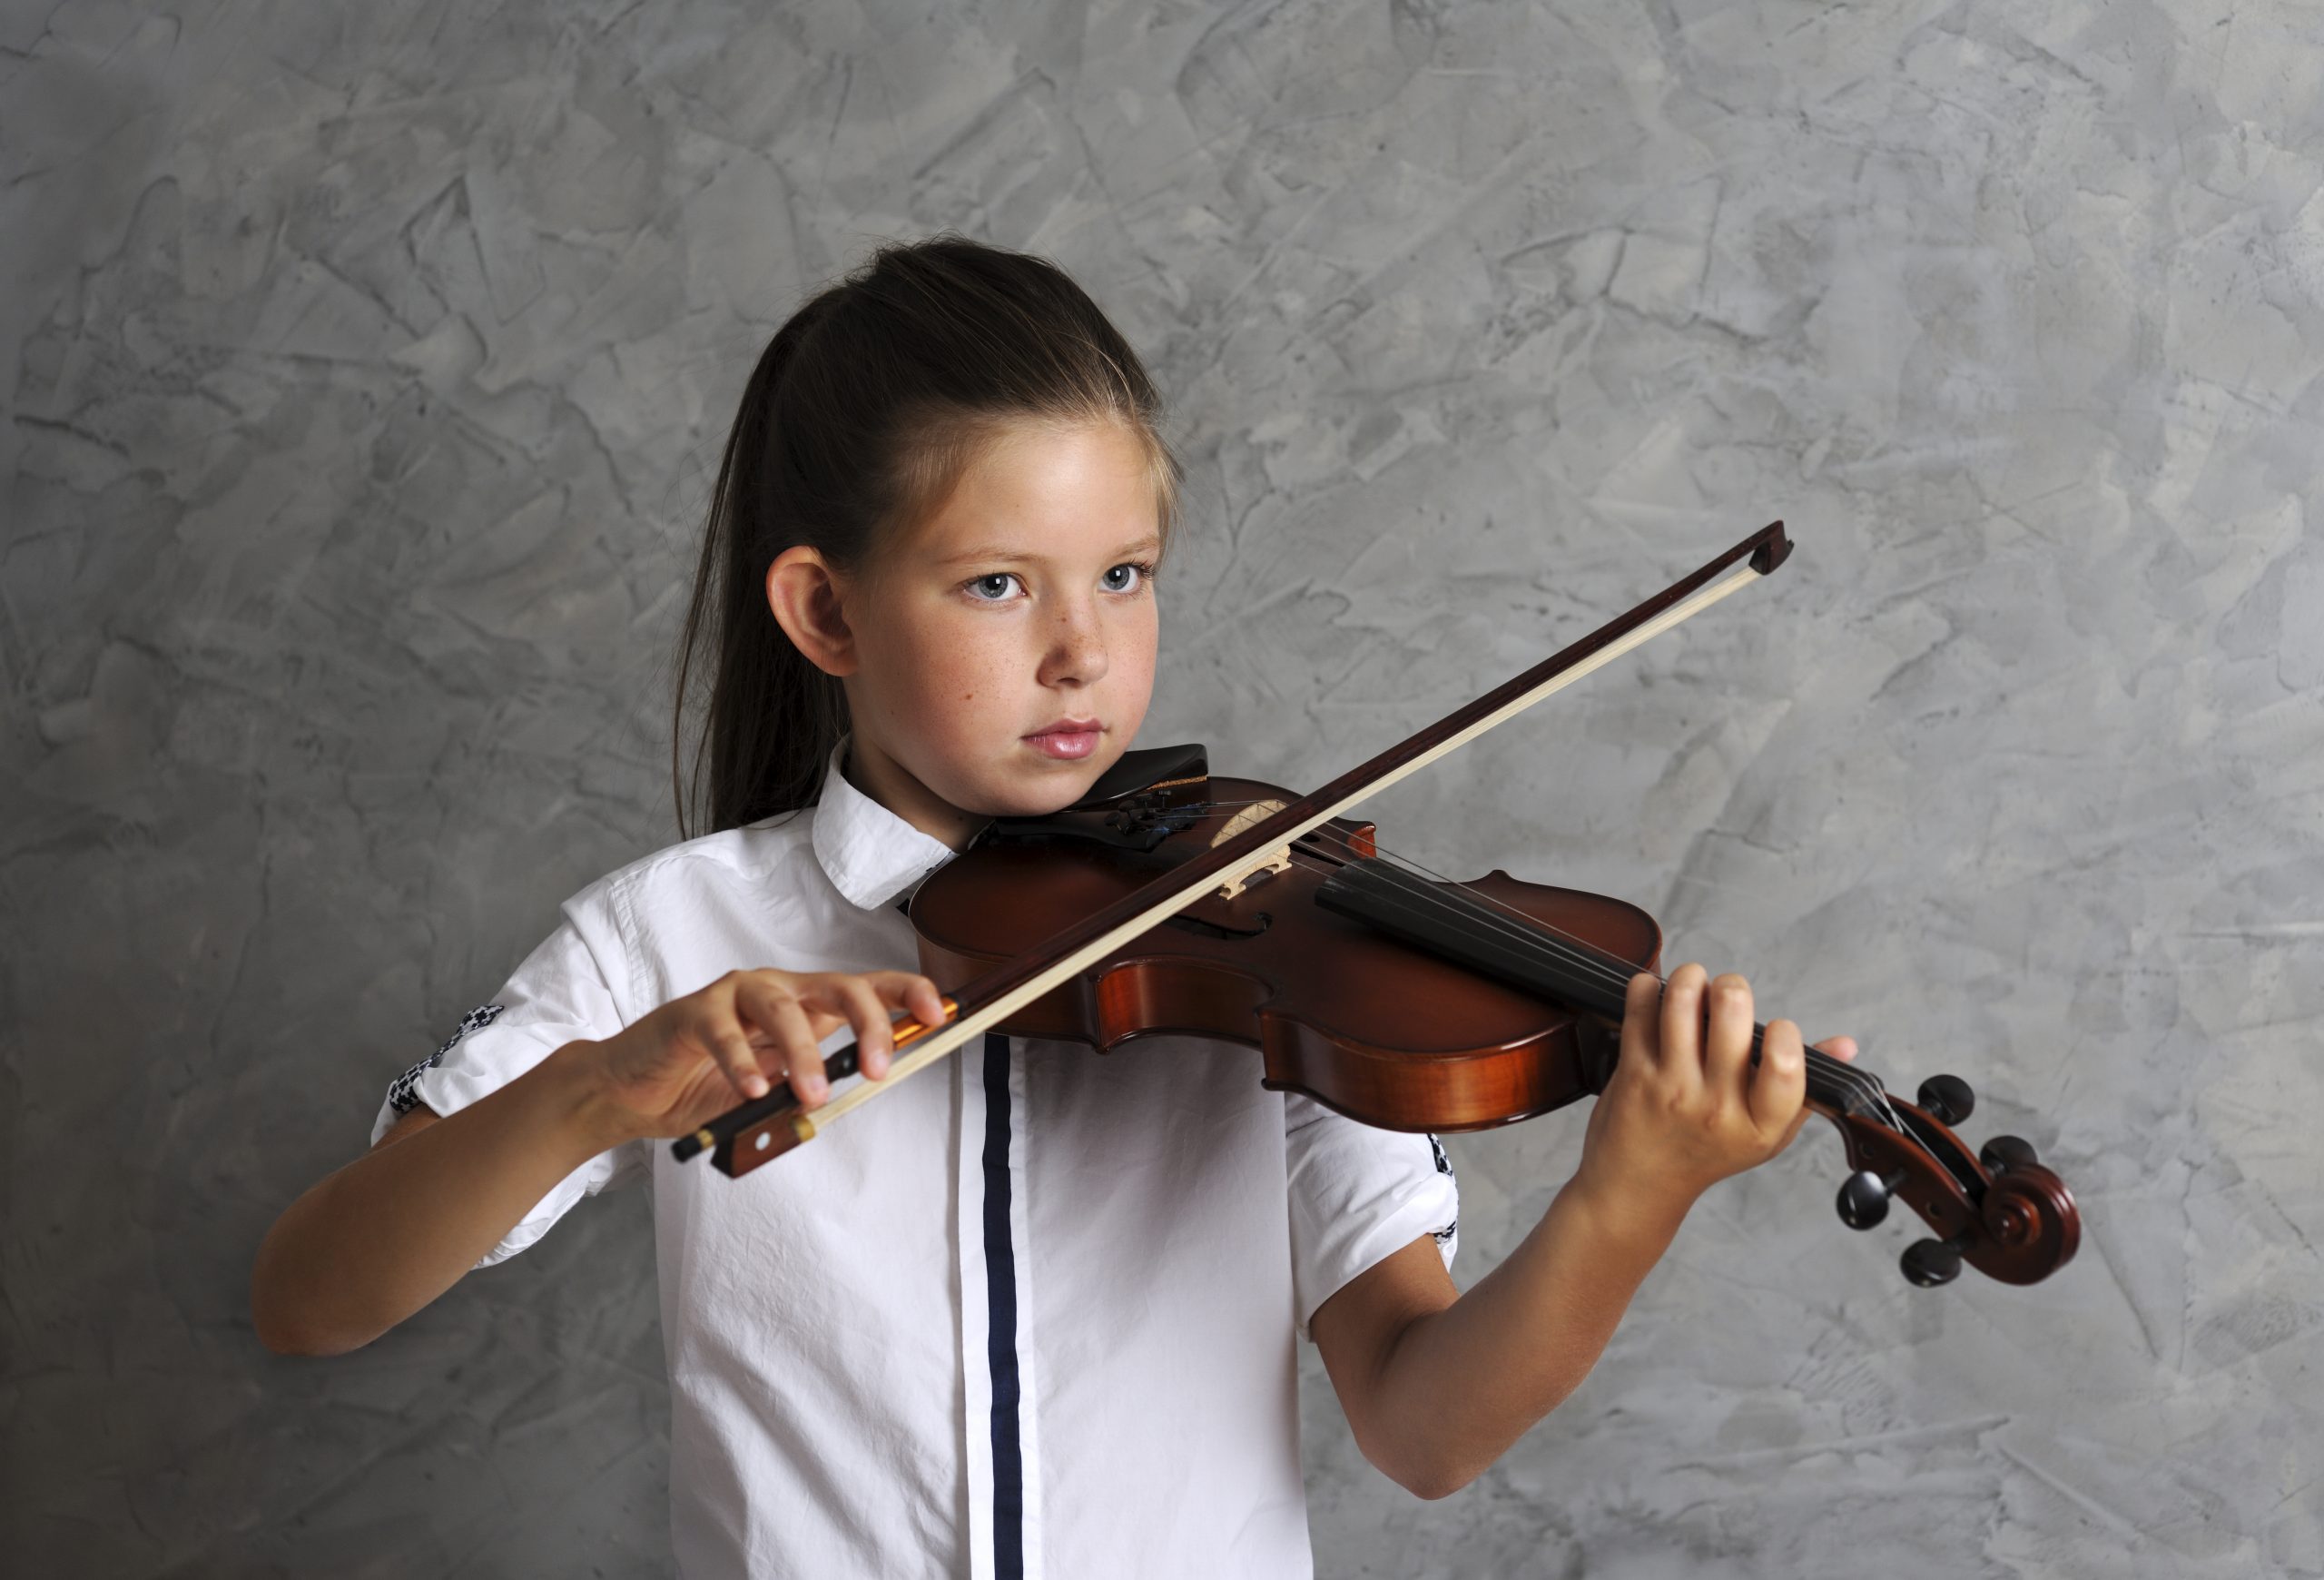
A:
1002, 576
1144, 568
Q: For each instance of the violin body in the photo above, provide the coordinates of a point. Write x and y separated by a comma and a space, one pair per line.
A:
1379, 1031
1411, 1003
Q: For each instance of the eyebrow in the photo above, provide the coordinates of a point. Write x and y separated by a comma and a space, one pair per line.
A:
991, 554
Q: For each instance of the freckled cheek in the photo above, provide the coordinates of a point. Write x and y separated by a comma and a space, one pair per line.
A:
1133, 672
965, 687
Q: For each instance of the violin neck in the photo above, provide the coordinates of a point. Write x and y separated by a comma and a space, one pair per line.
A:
1451, 920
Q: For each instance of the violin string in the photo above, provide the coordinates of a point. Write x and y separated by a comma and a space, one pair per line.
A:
1521, 927
1526, 929
1481, 908
1527, 932
1548, 941
1611, 973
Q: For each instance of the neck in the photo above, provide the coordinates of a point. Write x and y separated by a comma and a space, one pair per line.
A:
871, 769
1451, 920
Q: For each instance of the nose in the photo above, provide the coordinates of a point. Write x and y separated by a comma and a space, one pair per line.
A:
1076, 650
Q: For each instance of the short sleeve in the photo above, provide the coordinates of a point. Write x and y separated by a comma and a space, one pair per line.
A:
564, 992
1358, 1195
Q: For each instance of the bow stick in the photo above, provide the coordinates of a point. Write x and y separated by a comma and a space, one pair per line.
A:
764, 1128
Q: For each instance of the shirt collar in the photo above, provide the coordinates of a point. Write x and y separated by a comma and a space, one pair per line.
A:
869, 852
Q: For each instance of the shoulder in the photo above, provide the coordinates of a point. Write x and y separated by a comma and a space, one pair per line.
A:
673, 918
753, 850
762, 859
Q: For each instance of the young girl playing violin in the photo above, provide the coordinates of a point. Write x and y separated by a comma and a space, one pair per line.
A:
1040, 1318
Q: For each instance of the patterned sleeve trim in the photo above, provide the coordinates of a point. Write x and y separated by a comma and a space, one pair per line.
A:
1443, 1166
402, 1092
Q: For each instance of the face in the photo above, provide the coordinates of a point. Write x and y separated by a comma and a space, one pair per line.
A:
1023, 604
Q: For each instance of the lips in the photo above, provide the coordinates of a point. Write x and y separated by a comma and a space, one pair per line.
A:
1066, 738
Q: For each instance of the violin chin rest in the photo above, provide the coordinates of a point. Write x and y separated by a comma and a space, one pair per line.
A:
1145, 768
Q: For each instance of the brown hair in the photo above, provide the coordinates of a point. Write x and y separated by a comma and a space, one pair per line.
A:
863, 413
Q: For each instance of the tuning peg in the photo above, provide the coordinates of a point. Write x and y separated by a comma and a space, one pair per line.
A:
1948, 1097
2005, 1153
1931, 1262
1864, 1199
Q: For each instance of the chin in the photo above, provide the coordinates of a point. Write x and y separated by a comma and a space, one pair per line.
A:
1047, 784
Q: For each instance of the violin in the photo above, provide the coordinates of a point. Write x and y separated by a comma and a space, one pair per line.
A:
1170, 900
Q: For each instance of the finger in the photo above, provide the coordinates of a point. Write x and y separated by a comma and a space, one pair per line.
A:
1727, 1034
874, 1037
802, 1054
720, 1030
1641, 1019
1837, 1047
776, 1011
823, 1015
1779, 1085
913, 994
1680, 1053
1791, 1130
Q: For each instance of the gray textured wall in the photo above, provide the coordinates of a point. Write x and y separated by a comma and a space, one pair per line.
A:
364, 367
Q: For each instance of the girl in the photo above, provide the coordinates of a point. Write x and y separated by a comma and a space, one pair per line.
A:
1036, 1315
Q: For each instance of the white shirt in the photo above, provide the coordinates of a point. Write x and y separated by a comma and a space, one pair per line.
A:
1031, 1313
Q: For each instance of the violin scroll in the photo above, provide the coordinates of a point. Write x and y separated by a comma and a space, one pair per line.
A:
2001, 1210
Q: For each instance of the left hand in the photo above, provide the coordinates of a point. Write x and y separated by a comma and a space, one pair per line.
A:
1685, 1107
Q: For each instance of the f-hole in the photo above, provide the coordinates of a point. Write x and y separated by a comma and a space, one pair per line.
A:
1197, 925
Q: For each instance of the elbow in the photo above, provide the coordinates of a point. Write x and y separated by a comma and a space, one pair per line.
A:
274, 1314
284, 1323
1442, 1487
284, 1333
1462, 1451
1430, 1473
1433, 1481
281, 1340
279, 1329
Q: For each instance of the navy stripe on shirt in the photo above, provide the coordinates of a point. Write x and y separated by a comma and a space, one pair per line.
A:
1000, 1325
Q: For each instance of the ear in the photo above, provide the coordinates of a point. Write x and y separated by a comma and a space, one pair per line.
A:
803, 590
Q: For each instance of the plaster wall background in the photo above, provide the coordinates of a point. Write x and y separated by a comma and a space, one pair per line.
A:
364, 372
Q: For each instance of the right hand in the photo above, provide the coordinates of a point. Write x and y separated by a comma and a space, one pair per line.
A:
669, 1072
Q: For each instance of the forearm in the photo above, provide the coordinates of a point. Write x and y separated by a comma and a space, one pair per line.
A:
382, 1237
1460, 1385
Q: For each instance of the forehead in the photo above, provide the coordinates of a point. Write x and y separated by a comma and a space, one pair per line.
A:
1038, 488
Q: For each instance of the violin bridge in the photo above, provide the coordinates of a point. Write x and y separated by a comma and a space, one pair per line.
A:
1277, 860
